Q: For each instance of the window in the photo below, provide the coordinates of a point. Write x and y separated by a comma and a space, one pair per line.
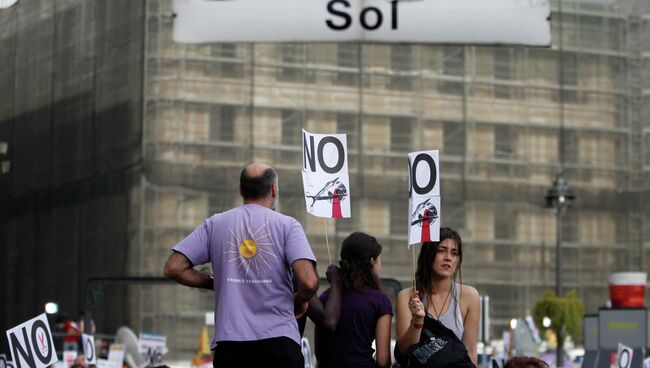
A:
570, 147
347, 56
399, 217
453, 64
453, 138
291, 127
294, 57
570, 226
504, 142
400, 134
225, 68
569, 79
222, 123
504, 226
503, 70
401, 60
347, 124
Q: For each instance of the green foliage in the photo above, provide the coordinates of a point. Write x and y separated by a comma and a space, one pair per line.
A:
566, 313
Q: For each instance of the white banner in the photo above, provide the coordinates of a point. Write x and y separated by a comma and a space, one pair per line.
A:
424, 197
89, 348
521, 22
153, 347
31, 344
325, 177
624, 356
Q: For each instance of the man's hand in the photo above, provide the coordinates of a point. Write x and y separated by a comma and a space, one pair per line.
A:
299, 307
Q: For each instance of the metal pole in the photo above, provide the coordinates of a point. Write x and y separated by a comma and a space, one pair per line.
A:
558, 279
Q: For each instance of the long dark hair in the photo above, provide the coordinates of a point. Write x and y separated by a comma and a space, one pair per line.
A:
424, 272
356, 270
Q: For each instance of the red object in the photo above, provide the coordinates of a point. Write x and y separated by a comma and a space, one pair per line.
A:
627, 296
72, 331
426, 228
336, 206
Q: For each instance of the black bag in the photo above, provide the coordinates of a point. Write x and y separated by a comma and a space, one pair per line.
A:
438, 347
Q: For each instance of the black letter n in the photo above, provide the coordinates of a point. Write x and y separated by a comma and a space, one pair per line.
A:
19, 352
307, 155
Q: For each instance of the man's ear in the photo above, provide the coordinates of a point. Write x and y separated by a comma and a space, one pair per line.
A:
274, 190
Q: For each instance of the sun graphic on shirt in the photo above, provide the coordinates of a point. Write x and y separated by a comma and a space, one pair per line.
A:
252, 251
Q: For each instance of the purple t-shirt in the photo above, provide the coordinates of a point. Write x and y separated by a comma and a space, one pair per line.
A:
251, 249
351, 344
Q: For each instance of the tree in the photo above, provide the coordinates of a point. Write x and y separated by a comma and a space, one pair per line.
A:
565, 313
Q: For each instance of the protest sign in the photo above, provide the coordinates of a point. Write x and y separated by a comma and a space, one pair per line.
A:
325, 177
31, 344
152, 347
89, 348
424, 197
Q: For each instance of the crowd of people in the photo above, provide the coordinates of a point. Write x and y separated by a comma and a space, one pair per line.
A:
265, 284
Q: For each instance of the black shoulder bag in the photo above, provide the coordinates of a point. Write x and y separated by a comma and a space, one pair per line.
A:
438, 347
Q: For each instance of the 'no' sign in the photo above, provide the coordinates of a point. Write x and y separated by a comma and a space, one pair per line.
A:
31, 344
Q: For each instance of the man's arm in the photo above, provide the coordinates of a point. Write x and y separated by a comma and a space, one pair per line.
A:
179, 268
307, 280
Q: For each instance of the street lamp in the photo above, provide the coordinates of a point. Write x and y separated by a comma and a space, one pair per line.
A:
559, 196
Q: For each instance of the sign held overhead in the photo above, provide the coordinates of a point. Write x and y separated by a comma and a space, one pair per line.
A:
325, 174
31, 344
424, 197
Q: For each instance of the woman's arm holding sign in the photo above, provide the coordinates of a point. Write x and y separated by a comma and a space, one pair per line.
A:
410, 319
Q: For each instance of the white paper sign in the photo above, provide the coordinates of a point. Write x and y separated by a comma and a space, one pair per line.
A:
104, 363
89, 348
424, 197
522, 22
325, 174
624, 356
69, 357
153, 347
31, 344
4, 362
116, 354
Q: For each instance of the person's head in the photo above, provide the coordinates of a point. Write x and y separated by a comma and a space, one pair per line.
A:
439, 259
525, 362
258, 183
360, 262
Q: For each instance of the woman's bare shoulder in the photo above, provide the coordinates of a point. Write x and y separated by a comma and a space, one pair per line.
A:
469, 292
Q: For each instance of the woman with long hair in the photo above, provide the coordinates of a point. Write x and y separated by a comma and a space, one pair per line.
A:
365, 311
440, 295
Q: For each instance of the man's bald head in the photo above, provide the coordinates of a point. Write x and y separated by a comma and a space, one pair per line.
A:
256, 181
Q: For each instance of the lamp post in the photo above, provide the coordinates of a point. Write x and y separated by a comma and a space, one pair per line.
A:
559, 196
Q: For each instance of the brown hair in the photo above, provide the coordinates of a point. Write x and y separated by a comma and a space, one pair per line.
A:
525, 362
356, 270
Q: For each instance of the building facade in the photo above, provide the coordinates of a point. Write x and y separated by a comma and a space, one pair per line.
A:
120, 138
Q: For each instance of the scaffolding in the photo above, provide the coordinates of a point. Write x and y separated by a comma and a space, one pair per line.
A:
193, 115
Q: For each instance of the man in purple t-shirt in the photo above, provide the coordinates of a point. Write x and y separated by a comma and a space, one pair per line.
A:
254, 252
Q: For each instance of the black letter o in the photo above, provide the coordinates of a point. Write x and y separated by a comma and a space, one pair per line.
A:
432, 178
35, 326
341, 153
362, 18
